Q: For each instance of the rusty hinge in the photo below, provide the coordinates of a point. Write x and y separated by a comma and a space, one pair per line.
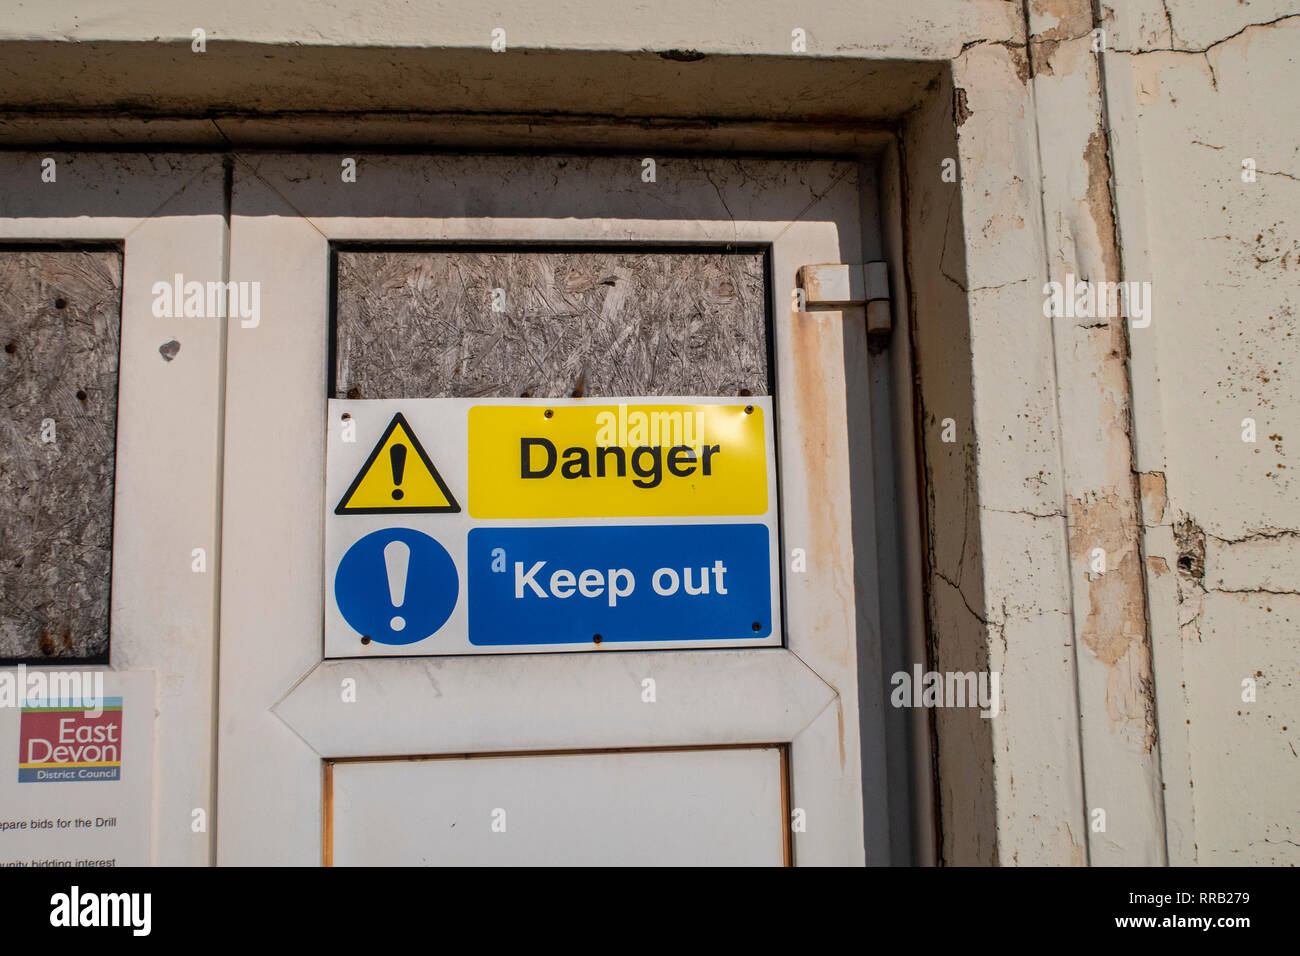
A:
837, 285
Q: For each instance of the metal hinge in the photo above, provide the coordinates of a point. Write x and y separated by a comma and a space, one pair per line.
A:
837, 285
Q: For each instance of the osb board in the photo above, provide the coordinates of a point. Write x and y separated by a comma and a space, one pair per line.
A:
423, 325
60, 315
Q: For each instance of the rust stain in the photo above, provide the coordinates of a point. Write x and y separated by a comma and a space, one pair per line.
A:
809, 278
327, 814
1151, 484
816, 342
809, 329
787, 832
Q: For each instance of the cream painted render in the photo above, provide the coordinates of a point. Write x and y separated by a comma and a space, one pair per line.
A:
1114, 157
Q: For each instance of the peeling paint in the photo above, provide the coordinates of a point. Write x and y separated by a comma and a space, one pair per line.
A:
1190, 540
1069, 850
1151, 484
960, 111
1074, 17
1096, 158
1073, 22
1114, 628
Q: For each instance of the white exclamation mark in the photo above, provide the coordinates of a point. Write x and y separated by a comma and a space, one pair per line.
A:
397, 556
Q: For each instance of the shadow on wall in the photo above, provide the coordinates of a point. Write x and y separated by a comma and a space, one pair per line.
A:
234, 80
956, 630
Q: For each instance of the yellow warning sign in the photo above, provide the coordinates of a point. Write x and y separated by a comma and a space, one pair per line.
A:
590, 460
397, 478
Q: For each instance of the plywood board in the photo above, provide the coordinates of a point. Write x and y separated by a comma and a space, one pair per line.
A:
547, 324
60, 317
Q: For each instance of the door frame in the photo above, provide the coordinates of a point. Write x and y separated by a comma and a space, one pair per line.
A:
282, 712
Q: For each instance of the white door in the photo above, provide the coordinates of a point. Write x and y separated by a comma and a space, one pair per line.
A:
745, 754
130, 456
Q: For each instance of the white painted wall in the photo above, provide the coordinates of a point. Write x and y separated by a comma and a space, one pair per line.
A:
1185, 91
1193, 95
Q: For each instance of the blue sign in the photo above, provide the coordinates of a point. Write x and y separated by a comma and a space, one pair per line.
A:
626, 583
396, 586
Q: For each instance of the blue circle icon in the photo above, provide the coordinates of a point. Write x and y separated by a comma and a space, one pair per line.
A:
396, 586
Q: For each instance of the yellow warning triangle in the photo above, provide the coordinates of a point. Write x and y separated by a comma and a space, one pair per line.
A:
397, 478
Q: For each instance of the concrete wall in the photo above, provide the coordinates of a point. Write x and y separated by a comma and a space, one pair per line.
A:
1122, 689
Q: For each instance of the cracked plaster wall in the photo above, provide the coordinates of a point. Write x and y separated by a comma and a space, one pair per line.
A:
1195, 89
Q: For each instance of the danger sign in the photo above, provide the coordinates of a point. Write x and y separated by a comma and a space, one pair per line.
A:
588, 525
397, 478
597, 460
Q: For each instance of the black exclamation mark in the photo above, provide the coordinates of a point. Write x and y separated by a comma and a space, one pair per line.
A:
397, 457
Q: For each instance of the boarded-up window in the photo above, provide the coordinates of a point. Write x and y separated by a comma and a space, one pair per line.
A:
60, 317
550, 324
